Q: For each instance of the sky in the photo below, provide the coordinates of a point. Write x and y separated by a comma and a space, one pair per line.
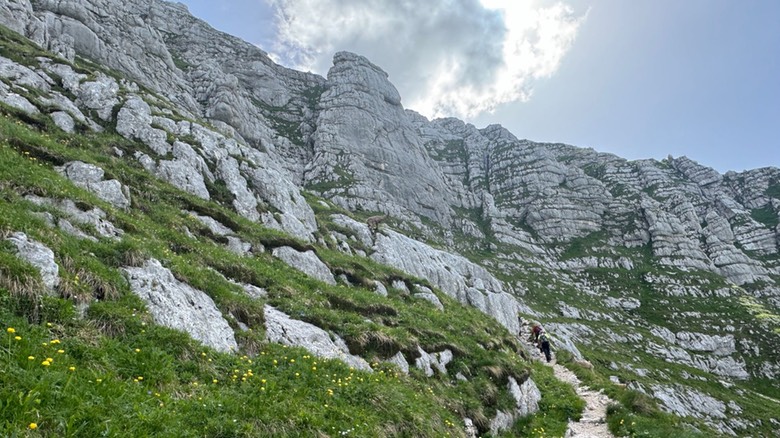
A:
639, 78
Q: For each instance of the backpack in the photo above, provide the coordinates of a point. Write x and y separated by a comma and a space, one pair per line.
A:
543, 337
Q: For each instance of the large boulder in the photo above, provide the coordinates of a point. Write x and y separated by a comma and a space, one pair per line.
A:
427, 362
94, 217
90, 177
38, 255
455, 275
180, 306
279, 327
527, 396
306, 262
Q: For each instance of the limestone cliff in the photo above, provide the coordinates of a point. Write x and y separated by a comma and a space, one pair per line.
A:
669, 263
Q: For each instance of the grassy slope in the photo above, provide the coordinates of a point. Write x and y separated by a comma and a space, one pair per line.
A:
113, 372
674, 313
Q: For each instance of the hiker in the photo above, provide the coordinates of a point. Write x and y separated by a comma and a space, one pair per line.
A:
544, 344
535, 333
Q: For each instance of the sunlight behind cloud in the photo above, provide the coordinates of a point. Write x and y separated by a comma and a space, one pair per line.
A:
455, 58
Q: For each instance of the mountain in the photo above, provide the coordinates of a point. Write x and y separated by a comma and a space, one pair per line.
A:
162, 177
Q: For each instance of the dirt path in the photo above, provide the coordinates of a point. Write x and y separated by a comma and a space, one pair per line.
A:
593, 423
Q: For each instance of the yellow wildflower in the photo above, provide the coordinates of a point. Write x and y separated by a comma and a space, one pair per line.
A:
18, 338
72, 368
32, 426
11, 330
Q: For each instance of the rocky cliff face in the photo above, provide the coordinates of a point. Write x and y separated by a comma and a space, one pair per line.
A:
669, 262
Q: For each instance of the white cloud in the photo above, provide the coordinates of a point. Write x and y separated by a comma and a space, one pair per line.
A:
447, 57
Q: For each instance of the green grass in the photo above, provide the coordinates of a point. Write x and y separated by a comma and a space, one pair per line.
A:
765, 215
131, 377
155, 381
177, 396
558, 406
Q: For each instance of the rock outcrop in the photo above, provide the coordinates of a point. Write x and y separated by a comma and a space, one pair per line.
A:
366, 147
179, 306
38, 255
306, 262
285, 330
90, 177
459, 278
509, 226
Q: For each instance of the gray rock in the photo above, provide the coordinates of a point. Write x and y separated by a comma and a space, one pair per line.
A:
146, 161
685, 401
564, 335
428, 295
16, 101
454, 275
212, 224
38, 255
568, 311
238, 246
527, 396
380, 288
183, 176
470, 429
23, 76
179, 306
275, 187
432, 298
400, 285
284, 330
99, 95
254, 291
94, 217
46, 217
367, 148
63, 121
306, 262
428, 361
622, 303
503, 421
245, 201
69, 228
360, 229
134, 122
399, 360
90, 177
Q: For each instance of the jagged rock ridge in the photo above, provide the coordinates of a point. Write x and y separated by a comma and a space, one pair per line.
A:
537, 210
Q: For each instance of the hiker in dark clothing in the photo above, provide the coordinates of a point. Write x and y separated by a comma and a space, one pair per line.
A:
535, 333
544, 344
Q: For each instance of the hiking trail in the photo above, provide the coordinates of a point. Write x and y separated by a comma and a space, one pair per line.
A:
593, 423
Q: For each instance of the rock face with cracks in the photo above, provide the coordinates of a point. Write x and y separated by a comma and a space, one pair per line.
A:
516, 228
285, 330
179, 306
